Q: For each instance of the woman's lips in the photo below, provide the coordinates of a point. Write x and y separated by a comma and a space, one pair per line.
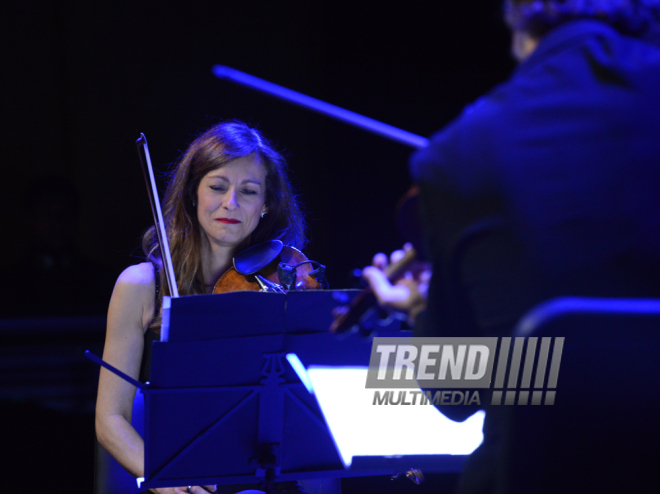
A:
228, 221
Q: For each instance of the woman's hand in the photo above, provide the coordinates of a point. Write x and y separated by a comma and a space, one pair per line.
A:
197, 489
408, 294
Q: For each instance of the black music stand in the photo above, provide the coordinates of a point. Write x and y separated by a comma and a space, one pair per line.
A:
224, 407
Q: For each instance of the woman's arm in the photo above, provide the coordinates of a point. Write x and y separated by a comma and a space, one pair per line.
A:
130, 312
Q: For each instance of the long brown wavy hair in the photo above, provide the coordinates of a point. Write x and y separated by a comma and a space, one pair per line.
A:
213, 149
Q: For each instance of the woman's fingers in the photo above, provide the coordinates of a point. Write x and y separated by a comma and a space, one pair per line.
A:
196, 489
202, 489
185, 490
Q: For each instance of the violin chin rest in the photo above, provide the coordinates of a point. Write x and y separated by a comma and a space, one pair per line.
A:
257, 257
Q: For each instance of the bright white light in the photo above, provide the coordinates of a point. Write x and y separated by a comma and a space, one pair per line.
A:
360, 428
300, 371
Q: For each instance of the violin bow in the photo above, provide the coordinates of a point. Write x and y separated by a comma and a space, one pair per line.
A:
152, 192
347, 116
366, 299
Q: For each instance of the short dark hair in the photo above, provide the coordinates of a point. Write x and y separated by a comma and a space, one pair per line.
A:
638, 18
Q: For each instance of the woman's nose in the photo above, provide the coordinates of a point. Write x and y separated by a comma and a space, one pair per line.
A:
230, 200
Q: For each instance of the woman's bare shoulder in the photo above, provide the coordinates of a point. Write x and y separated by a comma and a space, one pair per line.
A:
136, 285
133, 296
139, 274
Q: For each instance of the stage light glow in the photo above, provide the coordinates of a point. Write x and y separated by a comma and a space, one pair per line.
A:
360, 428
298, 366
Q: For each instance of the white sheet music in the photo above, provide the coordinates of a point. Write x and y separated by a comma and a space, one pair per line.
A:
360, 428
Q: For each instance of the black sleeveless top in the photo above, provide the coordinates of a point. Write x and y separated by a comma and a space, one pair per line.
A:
151, 334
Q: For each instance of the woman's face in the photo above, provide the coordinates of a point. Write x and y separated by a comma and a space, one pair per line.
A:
230, 201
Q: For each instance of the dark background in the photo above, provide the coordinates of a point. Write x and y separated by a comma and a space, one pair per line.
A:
83, 79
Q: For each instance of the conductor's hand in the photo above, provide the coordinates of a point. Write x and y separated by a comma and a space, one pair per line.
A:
196, 489
407, 294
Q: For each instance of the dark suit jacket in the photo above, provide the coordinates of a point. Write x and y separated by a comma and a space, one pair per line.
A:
547, 186
567, 155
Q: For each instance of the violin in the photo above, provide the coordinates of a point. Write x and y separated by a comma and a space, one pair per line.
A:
272, 267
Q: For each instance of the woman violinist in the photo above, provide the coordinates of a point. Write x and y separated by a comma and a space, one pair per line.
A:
229, 191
